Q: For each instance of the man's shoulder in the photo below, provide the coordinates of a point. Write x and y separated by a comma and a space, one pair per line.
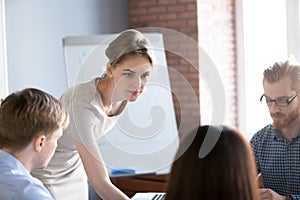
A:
20, 186
36, 189
265, 133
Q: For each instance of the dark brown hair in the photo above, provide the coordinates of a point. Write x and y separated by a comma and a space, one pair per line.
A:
227, 172
27, 114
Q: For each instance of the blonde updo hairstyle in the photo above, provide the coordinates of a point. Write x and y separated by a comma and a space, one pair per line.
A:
129, 42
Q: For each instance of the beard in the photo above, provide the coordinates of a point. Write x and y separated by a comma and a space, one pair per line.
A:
285, 119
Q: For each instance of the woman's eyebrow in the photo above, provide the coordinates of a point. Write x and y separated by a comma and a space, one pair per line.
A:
128, 70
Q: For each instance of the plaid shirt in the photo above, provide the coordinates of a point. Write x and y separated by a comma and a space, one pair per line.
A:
278, 160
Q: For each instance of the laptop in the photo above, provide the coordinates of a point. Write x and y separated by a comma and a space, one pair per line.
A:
149, 196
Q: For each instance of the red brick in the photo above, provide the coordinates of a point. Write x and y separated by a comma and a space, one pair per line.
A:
181, 16
168, 16
148, 3
138, 12
191, 7
185, 1
159, 23
189, 15
148, 17
193, 22
166, 2
157, 9
176, 8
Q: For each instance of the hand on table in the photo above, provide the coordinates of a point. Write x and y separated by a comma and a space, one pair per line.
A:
268, 194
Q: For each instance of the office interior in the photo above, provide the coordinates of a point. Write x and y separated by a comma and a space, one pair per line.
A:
241, 37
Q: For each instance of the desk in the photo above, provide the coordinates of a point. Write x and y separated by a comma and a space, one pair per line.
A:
141, 183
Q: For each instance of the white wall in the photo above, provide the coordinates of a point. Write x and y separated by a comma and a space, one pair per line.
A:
3, 67
35, 29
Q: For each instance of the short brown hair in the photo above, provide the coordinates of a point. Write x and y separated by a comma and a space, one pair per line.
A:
27, 114
281, 70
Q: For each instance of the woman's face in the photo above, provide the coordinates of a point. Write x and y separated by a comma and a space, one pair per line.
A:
130, 77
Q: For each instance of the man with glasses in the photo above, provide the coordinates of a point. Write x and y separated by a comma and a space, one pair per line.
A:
277, 146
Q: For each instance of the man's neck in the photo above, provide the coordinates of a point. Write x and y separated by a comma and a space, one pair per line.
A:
23, 156
291, 130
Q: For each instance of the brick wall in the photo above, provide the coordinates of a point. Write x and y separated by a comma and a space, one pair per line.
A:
216, 36
177, 20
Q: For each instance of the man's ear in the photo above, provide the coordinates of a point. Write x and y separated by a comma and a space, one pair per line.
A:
108, 70
39, 142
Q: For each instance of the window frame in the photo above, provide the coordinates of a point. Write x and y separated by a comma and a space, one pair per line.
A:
292, 30
293, 38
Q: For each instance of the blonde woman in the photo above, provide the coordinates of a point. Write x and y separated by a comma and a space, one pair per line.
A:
94, 108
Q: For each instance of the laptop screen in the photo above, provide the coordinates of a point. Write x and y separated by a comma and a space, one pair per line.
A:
149, 196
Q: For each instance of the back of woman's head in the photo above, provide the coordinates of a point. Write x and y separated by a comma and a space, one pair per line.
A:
213, 163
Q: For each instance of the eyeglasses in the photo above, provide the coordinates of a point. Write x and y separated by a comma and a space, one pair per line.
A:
280, 101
